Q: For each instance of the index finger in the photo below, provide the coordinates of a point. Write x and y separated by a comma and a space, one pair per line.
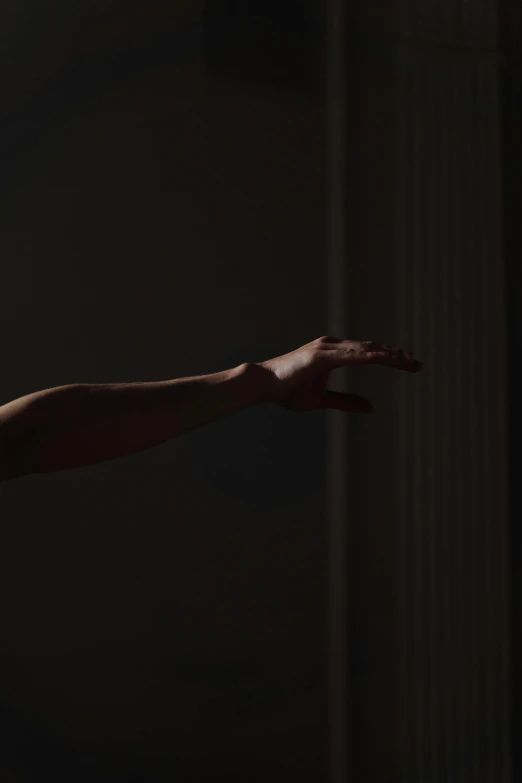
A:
388, 356
398, 359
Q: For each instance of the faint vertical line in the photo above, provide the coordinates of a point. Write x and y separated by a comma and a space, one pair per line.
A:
488, 613
410, 218
493, 23
453, 23
402, 559
474, 518
465, 459
492, 489
459, 22
417, 426
453, 371
446, 516
457, 462
405, 16
432, 179
491, 421
399, 260
337, 440
502, 486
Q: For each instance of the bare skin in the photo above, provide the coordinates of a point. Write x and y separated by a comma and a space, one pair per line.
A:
81, 424
299, 378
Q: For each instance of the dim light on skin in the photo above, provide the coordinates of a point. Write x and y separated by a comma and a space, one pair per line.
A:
82, 424
298, 379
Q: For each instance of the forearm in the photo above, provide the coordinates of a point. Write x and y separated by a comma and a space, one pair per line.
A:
82, 424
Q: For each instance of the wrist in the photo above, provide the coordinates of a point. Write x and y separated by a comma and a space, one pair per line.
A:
260, 380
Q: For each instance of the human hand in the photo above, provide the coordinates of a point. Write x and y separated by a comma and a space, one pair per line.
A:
297, 380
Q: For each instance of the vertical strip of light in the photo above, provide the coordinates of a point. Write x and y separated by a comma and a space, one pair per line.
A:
336, 422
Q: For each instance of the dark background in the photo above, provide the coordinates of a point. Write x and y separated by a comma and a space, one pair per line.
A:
164, 212
162, 215
511, 86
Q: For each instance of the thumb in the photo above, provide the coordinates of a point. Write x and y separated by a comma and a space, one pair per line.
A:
349, 403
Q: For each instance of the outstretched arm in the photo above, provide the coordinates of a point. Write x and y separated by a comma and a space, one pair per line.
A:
82, 424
